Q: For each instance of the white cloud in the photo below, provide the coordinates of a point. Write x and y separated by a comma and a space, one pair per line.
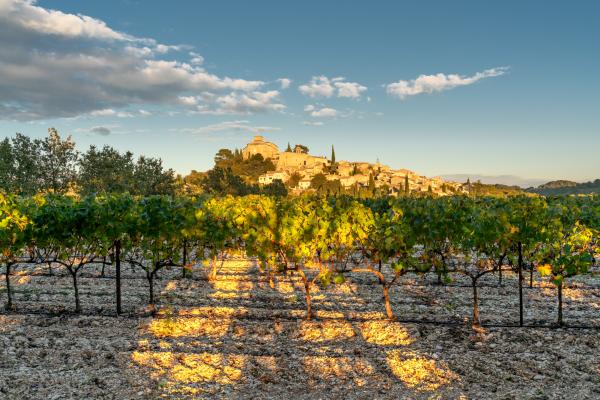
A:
188, 100
107, 112
284, 82
229, 126
241, 103
438, 82
196, 59
349, 89
55, 64
323, 112
27, 15
312, 123
321, 86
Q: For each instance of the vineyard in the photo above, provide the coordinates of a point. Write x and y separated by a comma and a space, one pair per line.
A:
400, 297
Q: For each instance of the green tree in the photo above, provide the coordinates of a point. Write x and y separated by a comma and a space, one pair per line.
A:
332, 156
301, 148
58, 162
294, 180
23, 165
105, 171
149, 178
318, 182
276, 188
372, 187
224, 158
6, 166
221, 181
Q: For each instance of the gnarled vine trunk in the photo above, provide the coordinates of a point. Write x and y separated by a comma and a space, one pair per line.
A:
520, 267
560, 304
9, 304
76, 291
308, 297
388, 306
184, 260
475, 322
118, 275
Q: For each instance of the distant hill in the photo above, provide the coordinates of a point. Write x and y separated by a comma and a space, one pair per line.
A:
508, 180
562, 187
558, 184
483, 189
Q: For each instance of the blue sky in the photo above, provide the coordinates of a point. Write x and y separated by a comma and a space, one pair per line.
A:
476, 88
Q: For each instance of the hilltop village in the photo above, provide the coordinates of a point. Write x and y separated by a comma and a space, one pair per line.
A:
302, 169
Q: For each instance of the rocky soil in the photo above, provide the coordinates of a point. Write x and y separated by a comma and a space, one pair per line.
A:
238, 337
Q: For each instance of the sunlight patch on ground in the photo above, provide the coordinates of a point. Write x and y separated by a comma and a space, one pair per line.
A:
231, 289
188, 326
385, 333
178, 372
419, 373
5, 323
213, 312
575, 295
285, 287
22, 277
345, 289
192, 323
323, 367
321, 331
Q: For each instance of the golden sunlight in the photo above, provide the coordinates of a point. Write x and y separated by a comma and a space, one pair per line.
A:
319, 367
385, 333
321, 331
417, 372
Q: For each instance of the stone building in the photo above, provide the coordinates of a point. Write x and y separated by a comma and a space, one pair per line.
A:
270, 177
350, 174
295, 160
259, 145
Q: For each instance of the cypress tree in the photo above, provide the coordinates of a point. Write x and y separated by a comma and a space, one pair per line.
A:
371, 184
289, 148
406, 185
332, 155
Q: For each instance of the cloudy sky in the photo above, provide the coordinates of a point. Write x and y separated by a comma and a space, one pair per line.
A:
507, 89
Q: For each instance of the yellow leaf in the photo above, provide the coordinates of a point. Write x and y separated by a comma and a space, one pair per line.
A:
544, 269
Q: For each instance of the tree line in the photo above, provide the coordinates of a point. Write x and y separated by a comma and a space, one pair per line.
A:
30, 166
322, 240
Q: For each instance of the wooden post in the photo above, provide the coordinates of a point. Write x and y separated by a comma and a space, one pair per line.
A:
118, 274
9, 304
520, 266
560, 304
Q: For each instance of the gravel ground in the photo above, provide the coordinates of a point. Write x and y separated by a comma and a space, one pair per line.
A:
239, 338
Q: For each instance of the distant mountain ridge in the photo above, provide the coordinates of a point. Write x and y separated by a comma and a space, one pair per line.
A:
557, 184
564, 187
508, 180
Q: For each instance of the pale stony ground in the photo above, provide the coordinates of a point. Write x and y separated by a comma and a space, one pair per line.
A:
240, 338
